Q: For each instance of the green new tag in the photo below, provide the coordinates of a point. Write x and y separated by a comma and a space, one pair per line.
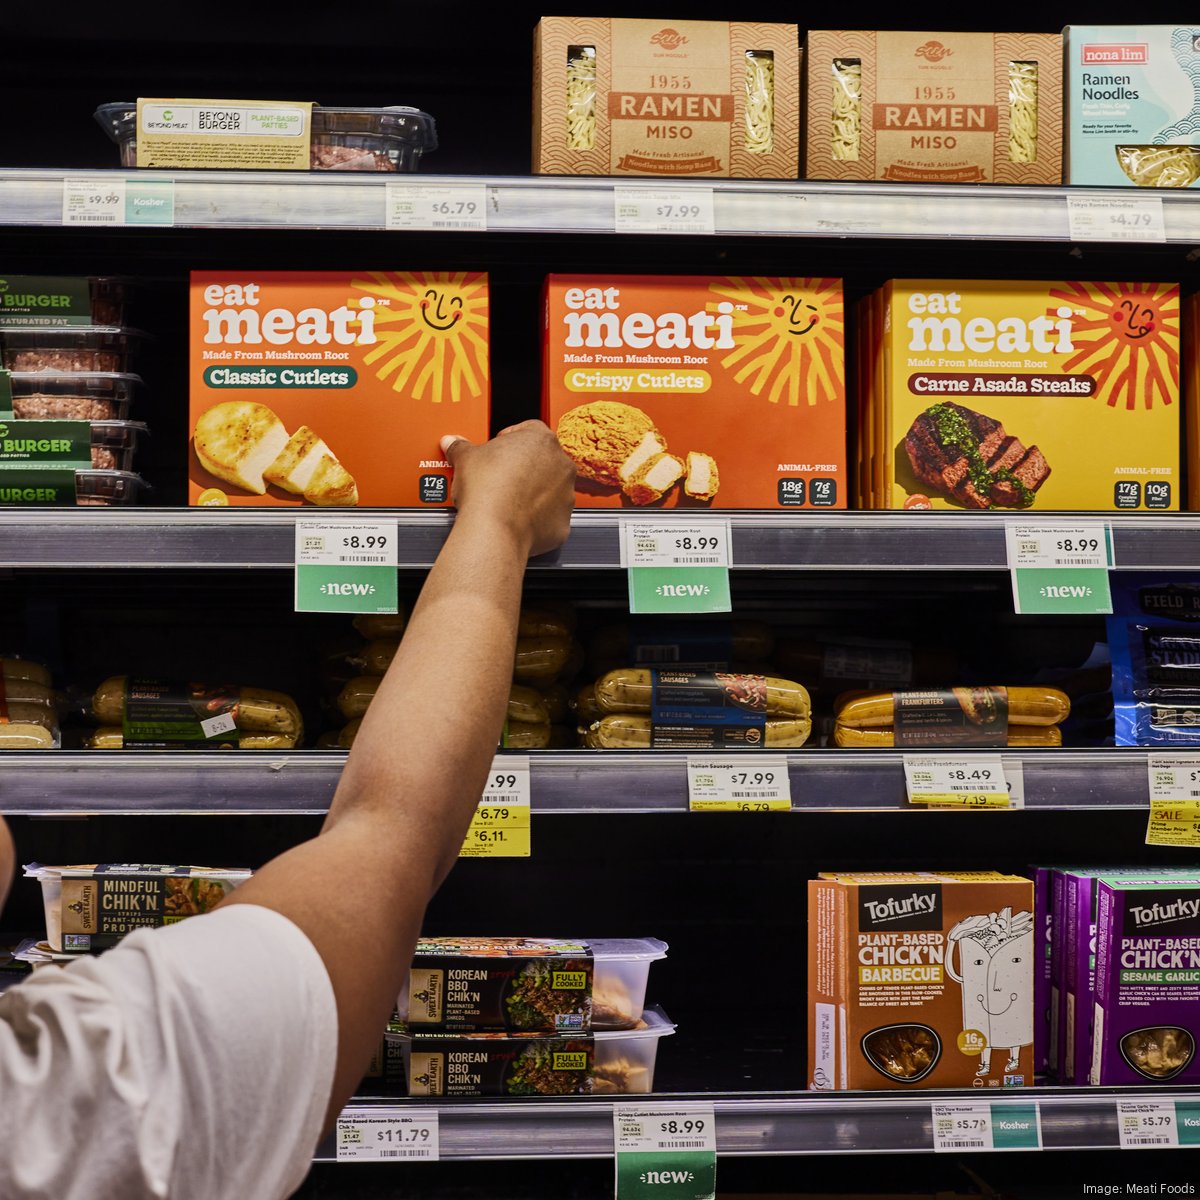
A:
1061, 590
346, 566
665, 1154
679, 590
681, 1175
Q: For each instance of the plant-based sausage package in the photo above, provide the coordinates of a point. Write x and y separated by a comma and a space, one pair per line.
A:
1147, 1004
333, 388
1021, 395
935, 106
1133, 105
920, 979
675, 99
698, 392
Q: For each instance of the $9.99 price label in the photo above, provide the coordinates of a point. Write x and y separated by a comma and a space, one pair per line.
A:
754, 783
667, 1153
958, 783
379, 1135
500, 826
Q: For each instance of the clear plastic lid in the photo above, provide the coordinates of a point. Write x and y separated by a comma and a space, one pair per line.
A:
602, 949
98, 337
141, 870
81, 396
101, 487
654, 1024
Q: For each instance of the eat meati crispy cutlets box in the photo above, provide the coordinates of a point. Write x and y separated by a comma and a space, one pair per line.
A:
333, 388
682, 391
1026, 395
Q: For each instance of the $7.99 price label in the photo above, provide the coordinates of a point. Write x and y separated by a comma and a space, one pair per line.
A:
754, 783
500, 826
380, 1135
639, 209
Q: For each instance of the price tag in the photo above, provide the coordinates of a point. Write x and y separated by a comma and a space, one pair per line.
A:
1147, 1124
215, 726
639, 209
1103, 219
346, 566
420, 206
103, 201
668, 1153
1060, 568
957, 782
373, 1135
979, 1126
678, 568
1174, 801
749, 784
500, 826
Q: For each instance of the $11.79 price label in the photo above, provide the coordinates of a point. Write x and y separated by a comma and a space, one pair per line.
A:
373, 1135
755, 783
958, 783
500, 826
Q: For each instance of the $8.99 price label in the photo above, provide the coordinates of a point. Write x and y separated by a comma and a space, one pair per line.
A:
706, 545
346, 566
500, 826
665, 1153
380, 1135
754, 783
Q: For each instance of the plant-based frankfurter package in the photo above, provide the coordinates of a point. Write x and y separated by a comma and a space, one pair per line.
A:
701, 392
1147, 1003
675, 99
1133, 105
1022, 395
918, 979
333, 388
938, 106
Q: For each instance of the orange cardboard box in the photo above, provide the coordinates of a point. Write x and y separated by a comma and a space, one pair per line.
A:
698, 392
332, 388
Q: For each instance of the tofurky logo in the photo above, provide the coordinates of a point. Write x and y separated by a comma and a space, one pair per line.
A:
668, 39
900, 907
240, 322
1169, 913
932, 51
599, 325
938, 326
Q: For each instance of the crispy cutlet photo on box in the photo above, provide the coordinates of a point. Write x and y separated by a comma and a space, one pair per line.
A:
680, 392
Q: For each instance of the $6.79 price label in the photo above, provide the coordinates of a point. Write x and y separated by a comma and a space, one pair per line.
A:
500, 826
372, 1135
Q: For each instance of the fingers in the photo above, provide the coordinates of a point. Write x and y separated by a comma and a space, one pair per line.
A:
451, 444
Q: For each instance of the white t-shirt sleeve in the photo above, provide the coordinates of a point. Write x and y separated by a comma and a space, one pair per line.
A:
191, 1061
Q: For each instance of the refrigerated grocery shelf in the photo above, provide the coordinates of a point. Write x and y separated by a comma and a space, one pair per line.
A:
771, 1123
581, 205
56, 782
185, 538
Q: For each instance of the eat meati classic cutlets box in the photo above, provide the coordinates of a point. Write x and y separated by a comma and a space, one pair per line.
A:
333, 388
682, 391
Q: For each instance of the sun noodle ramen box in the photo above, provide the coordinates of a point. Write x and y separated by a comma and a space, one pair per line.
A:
1133, 105
333, 388
936, 106
665, 98
1021, 395
920, 979
677, 391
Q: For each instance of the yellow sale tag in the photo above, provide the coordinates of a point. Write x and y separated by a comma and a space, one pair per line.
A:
960, 799
1173, 823
500, 826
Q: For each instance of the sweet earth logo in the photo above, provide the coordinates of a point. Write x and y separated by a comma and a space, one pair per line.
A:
933, 51
668, 39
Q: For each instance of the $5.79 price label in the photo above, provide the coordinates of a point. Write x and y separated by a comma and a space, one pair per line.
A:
500, 826
958, 782
754, 783
379, 1135
978, 1125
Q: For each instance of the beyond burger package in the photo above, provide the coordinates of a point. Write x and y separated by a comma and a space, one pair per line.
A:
332, 388
1020, 395
713, 392
920, 979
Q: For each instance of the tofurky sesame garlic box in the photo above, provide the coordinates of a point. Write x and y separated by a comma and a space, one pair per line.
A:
1023, 395
333, 388
680, 391
920, 979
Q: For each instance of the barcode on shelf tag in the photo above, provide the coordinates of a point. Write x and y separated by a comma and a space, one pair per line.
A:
500, 826
422, 206
983, 1126
375, 1135
752, 783
346, 566
640, 209
1147, 1124
958, 782
1124, 219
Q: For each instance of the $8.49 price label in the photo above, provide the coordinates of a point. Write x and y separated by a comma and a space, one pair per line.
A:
500, 826
754, 783
375, 1135
960, 783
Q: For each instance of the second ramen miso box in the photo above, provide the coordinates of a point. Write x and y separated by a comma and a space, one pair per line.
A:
920, 979
700, 392
939, 106
333, 388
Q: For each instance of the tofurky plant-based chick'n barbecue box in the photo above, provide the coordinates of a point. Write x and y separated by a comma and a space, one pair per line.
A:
1022, 395
333, 388
679, 391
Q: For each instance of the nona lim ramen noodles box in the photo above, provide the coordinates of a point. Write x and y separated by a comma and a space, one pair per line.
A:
333, 388
1021, 395
920, 979
682, 391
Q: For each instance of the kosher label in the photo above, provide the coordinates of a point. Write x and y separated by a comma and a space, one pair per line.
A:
179, 716
526, 985
346, 566
963, 783
757, 784
500, 826
961, 716
374, 1135
980, 1126
668, 1152
424, 206
37, 300
1101, 219
639, 209
239, 134
492, 1064
1147, 1124
701, 710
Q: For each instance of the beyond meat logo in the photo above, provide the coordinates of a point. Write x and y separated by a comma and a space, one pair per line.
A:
900, 907
668, 39
933, 51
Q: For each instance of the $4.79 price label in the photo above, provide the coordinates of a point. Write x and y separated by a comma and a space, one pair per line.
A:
958, 782
500, 826
754, 783
665, 1154
1174, 802
346, 566
380, 1135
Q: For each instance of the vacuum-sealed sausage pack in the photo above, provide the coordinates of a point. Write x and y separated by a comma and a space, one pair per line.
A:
920, 979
